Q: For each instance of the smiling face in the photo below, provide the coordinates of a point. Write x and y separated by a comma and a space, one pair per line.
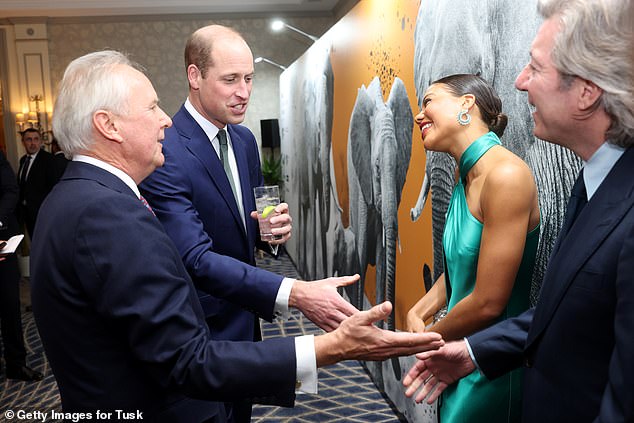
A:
437, 119
223, 94
553, 100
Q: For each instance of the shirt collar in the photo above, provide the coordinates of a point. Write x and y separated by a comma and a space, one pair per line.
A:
127, 179
209, 128
599, 165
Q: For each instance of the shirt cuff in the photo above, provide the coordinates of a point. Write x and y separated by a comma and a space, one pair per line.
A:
281, 300
466, 341
306, 373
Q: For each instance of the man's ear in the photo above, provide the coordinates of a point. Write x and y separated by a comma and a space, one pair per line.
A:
590, 93
194, 76
105, 123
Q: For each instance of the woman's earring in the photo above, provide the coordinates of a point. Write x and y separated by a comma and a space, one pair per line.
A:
464, 118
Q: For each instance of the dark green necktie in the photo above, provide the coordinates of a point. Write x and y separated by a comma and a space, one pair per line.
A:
224, 158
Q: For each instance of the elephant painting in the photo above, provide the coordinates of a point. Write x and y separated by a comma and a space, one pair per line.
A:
493, 41
379, 149
308, 188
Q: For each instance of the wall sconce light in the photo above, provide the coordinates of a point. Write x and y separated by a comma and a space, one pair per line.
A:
32, 118
278, 25
270, 62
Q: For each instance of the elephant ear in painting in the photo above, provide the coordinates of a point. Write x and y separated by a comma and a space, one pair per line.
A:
398, 103
359, 183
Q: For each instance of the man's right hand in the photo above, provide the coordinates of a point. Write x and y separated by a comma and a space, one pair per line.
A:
435, 370
358, 339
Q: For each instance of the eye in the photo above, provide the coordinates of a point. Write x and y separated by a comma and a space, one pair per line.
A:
426, 101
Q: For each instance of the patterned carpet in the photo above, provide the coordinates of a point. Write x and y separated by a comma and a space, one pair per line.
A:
346, 393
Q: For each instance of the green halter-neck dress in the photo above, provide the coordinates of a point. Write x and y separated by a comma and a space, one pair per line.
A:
474, 399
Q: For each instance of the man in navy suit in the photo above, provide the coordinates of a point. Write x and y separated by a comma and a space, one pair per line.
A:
208, 212
117, 313
577, 344
36, 177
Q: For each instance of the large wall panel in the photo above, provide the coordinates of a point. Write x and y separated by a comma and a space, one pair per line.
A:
365, 196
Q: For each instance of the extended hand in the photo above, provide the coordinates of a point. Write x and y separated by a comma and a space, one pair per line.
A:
435, 370
358, 339
321, 303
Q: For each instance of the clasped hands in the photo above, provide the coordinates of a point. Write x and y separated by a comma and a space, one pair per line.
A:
435, 370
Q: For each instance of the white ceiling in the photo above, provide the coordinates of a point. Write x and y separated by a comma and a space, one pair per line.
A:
78, 8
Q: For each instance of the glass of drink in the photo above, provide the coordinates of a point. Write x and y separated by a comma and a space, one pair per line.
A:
266, 199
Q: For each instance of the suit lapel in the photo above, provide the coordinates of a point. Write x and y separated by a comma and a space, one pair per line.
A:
200, 146
596, 221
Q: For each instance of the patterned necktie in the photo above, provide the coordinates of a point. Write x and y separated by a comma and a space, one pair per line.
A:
224, 158
147, 205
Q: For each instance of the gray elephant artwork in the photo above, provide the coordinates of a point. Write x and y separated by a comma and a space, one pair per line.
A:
307, 184
379, 148
492, 40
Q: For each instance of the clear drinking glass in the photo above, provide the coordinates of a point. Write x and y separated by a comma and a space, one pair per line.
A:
266, 199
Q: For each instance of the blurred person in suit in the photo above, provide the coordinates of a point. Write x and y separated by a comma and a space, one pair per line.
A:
117, 312
36, 177
10, 313
576, 344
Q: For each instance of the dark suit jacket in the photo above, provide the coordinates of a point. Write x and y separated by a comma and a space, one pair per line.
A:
59, 163
119, 317
578, 342
9, 194
192, 198
41, 179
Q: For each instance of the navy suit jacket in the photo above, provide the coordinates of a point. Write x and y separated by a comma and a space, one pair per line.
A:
119, 317
192, 198
578, 342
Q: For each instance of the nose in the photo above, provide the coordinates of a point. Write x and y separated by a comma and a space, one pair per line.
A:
522, 78
243, 89
165, 119
419, 118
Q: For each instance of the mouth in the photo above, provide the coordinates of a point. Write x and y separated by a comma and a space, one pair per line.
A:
424, 129
239, 108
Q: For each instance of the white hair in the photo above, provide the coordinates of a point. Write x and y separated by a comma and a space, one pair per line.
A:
90, 83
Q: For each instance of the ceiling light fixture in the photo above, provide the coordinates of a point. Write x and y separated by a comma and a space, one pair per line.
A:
270, 62
278, 25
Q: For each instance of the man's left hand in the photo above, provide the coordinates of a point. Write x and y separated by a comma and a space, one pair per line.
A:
281, 223
321, 303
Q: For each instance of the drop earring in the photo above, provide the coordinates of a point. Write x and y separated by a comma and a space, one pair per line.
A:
464, 118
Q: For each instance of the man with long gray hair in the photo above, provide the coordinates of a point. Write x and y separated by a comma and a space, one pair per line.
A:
576, 343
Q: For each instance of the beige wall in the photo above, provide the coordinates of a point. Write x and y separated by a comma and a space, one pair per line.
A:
158, 45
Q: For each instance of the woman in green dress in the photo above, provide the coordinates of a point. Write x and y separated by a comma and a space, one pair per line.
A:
489, 241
